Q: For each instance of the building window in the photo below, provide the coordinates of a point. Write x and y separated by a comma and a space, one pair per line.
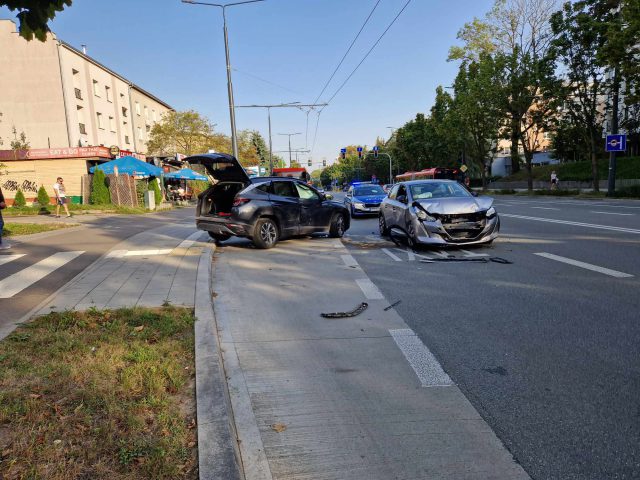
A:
96, 92
137, 109
124, 112
83, 129
148, 128
146, 113
126, 139
100, 125
107, 92
153, 115
112, 124
140, 134
78, 93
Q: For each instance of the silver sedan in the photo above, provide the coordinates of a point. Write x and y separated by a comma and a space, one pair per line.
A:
438, 212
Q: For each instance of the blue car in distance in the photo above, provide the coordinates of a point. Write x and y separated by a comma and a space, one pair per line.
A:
364, 198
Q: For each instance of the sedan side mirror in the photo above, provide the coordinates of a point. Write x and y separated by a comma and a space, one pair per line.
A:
402, 198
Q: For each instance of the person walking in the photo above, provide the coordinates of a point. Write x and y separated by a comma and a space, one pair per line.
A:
3, 205
554, 180
61, 197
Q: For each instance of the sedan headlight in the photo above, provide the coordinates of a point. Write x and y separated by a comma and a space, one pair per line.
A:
491, 212
424, 216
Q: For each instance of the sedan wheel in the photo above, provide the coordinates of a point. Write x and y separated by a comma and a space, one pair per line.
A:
265, 233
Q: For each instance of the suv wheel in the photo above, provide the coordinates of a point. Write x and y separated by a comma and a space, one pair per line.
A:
265, 233
382, 224
336, 229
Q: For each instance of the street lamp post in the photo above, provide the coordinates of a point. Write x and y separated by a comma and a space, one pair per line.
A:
290, 135
232, 113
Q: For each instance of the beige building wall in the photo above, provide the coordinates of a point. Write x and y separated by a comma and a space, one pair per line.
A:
146, 111
31, 94
61, 97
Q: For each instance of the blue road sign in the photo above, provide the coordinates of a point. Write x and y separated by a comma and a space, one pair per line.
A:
375, 149
359, 149
616, 143
343, 150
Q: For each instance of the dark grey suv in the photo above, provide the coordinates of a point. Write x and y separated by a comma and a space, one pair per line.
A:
263, 209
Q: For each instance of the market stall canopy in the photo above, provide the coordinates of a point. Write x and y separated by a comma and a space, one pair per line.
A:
129, 166
186, 174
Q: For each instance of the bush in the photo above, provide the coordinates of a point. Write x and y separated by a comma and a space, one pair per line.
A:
43, 197
157, 192
19, 200
141, 187
632, 191
99, 190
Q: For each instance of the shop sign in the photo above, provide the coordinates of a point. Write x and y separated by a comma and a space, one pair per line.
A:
55, 153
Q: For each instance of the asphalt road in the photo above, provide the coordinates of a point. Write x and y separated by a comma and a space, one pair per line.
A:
51, 262
547, 351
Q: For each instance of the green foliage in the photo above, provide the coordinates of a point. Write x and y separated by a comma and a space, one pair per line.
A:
198, 186
141, 187
157, 192
43, 197
19, 200
34, 16
99, 190
19, 142
632, 191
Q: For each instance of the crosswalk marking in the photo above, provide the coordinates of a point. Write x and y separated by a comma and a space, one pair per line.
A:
24, 278
587, 266
190, 240
469, 254
9, 258
441, 254
392, 255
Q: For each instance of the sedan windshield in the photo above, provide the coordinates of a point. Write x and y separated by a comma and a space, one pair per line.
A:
438, 190
365, 190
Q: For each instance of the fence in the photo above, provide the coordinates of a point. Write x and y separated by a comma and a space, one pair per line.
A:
121, 188
566, 185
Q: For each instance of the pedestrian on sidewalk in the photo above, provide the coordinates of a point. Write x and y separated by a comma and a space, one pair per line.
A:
554, 180
3, 205
61, 197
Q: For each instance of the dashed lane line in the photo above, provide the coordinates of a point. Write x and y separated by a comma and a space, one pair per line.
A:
26, 277
587, 266
392, 255
614, 213
576, 224
9, 258
349, 261
369, 289
424, 364
546, 208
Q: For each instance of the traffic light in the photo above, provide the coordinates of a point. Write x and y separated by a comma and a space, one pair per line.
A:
360, 152
343, 153
324, 162
375, 152
309, 162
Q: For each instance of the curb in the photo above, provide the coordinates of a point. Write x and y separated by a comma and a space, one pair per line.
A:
218, 455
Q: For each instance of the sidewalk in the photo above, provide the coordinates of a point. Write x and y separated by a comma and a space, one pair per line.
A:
350, 398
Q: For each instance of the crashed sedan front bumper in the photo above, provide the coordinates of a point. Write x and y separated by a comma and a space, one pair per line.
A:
435, 233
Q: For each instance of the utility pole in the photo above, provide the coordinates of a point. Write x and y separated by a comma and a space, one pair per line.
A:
280, 105
232, 113
290, 135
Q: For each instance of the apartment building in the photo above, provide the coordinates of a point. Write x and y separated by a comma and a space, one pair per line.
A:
60, 97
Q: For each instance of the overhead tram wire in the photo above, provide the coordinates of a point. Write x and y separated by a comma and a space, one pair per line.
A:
265, 81
347, 52
368, 53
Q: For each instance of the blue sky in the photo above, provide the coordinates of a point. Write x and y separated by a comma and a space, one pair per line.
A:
176, 51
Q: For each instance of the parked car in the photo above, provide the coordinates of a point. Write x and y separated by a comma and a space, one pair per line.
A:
364, 198
387, 187
263, 209
438, 212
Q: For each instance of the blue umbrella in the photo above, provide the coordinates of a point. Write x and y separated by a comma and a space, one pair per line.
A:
129, 166
185, 174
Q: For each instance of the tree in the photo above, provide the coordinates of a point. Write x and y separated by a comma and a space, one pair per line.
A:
99, 190
185, 132
43, 197
575, 48
19, 200
34, 15
19, 142
157, 192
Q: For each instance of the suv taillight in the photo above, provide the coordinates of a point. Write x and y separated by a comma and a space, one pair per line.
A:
240, 201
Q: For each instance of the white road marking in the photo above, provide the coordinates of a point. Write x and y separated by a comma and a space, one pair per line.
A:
613, 213
588, 266
190, 240
576, 224
424, 364
546, 208
138, 253
441, 254
24, 278
425, 257
349, 261
9, 258
469, 254
392, 255
370, 291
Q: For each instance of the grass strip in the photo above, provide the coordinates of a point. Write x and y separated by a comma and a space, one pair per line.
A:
100, 395
29, 228
78, 210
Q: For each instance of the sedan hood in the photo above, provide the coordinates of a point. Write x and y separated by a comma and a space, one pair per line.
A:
456, 205
220, 166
